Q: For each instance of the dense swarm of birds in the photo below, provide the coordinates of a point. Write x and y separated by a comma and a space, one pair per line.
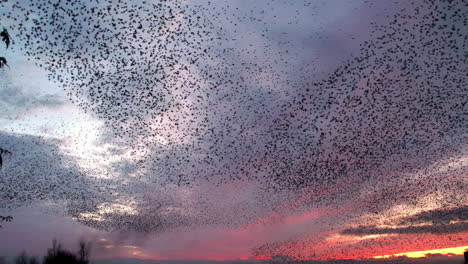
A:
115, 59
404, 98
200, 105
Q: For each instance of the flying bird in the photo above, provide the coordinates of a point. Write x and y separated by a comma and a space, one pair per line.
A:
5, 37
3, 62
2, 151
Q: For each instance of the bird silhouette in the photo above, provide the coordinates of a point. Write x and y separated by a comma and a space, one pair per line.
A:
3, 62
3, 151
5, 37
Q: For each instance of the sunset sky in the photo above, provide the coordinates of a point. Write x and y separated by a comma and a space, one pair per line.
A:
325, 129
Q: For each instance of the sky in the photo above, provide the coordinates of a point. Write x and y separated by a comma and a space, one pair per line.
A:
235, 130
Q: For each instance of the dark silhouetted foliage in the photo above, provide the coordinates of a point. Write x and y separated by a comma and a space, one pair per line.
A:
24, 259
33, 260
58, 255
84, 252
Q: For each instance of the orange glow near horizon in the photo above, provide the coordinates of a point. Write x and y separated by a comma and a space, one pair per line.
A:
422, 254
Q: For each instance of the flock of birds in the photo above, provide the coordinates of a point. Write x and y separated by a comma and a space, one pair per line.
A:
5, 38
232, 112
3, 62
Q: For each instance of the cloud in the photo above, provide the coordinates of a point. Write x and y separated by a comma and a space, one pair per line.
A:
439, 216
442, 221
235, 137
38, 171
430, 259
16, 101
433, 229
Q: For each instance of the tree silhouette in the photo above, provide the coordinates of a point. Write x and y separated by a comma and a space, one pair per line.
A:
33, 260
58, 255
22, 258
84, 252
